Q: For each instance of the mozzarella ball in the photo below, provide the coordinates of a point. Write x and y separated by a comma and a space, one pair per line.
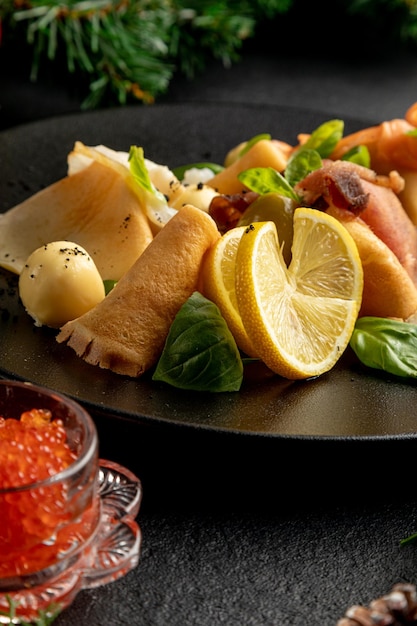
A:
58, 283
199, 195
162, 177
196, 175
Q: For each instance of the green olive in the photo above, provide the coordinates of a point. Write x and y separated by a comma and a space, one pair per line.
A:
275, 208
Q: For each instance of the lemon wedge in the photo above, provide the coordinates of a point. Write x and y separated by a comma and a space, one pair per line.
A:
300, 317
218, 275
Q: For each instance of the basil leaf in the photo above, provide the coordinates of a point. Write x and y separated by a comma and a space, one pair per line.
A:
302, 163
153, 201
264, 180
108, 285
386, 344
139, 170
325, 137
179, 171
200, 352
359, 155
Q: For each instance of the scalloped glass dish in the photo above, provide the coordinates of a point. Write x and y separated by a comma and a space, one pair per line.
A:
75, 529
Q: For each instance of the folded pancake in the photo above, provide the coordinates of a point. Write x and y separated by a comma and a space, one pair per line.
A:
408, 196
93, 208
388, 290
369, 208
161, 177
126, 331
263, 153
392, 145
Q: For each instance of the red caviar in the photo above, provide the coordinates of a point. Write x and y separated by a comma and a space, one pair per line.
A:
32, 449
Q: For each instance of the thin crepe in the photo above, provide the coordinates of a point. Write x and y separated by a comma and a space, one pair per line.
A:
94, 208
126, 332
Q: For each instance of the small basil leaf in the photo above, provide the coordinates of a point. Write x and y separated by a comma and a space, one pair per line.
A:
200, 353
179, 171
251, 142
410, 539
325, 137
359, 155
264, 180
386, 344
153, 201
108, 285
139, 170
302, 163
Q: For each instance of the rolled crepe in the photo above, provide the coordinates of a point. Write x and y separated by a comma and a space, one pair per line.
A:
388, 290
126, 332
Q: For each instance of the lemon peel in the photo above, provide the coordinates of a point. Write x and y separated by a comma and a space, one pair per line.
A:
300, 317
218, 276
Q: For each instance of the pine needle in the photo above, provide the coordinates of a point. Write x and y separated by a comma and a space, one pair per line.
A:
126, 50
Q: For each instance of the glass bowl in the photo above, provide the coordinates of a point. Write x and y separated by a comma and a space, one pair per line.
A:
71, 529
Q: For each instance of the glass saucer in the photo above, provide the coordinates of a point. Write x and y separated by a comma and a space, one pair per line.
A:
110, 554
116, 548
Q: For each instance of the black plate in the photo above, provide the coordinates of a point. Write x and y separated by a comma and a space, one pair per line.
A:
349, 402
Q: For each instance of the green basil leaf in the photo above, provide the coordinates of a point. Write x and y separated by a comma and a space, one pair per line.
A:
153, 201
251, 142
359, 155
302, 163
108, 285
264, 180
179, 171
325, 137
200, 352
386, 344
139, 170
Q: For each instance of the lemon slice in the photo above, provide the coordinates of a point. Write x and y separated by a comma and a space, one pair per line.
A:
299, 318
218, 276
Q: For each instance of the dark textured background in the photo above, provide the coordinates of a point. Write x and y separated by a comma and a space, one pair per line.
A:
297, 537
315, 57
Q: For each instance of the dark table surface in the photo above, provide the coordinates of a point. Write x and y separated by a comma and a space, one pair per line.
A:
299, 534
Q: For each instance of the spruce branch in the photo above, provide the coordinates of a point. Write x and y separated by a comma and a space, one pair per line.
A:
131, 49
121, 46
